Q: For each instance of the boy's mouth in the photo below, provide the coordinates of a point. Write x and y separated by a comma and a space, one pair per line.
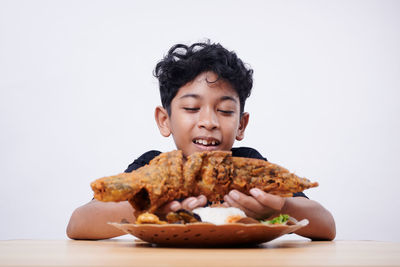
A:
206, 141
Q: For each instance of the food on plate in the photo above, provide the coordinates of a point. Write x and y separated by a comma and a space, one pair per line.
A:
220, 215
214, 215
281, 219
179, 217
149, 218
182, 216
213, 174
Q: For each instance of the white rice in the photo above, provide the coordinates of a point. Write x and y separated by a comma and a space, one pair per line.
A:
217, 215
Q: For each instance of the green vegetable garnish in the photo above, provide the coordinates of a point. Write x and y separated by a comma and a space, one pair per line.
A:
277, 220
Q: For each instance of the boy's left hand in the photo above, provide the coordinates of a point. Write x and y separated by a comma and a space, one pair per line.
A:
259, 205
189, 203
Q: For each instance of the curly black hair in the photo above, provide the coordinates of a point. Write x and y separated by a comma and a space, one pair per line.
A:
184, 63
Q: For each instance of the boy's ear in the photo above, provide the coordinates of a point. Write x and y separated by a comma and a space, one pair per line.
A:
244, 120
162, 119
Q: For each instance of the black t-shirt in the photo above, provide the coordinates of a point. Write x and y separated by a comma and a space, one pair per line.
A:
244, 152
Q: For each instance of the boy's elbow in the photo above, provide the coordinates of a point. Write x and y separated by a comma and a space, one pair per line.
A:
332, 236
75, 226
324, 237
331, 229
74, 233
327, 233
70, 232
331, 232
71, 228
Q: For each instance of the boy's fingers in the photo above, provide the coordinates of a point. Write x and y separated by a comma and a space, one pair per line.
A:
187, 200
194, 202
272, 201
246, 201
202, 200
225, 204
189, 203
172, 206
232, 203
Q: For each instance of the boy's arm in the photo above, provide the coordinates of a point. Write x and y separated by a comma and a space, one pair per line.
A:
321, 223
90, 220
262, 205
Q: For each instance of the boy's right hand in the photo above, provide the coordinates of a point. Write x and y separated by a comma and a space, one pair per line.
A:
189, 203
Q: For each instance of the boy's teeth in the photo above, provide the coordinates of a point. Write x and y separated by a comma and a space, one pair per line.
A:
205, 142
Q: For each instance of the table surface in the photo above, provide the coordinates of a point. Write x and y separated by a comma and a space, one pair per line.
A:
138, 253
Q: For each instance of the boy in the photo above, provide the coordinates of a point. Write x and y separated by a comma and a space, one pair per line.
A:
203, 91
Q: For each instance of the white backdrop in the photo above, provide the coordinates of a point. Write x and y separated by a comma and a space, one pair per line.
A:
77, 98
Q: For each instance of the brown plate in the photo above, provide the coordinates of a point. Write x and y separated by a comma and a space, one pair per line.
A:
207, 234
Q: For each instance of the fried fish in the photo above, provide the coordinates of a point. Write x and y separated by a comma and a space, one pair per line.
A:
169, 176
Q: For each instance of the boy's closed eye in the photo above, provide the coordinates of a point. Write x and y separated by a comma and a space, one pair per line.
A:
228, 112
191, 109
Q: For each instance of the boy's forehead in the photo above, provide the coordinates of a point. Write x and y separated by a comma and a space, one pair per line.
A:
207, 85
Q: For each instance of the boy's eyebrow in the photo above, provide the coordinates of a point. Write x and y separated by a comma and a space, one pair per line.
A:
190, 95
225, 97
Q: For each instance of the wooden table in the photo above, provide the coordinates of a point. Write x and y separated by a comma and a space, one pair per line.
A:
137, 253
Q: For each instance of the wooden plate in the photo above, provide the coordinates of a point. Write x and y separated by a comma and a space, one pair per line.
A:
207, 234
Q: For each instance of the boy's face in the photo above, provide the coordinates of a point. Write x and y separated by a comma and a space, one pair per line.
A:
204, 116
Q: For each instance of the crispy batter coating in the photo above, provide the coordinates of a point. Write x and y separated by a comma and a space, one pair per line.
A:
149, 218
212, 174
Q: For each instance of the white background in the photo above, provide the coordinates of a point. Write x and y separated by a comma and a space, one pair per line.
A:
77, 99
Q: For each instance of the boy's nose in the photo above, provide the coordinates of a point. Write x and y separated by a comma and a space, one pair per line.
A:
208, 119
